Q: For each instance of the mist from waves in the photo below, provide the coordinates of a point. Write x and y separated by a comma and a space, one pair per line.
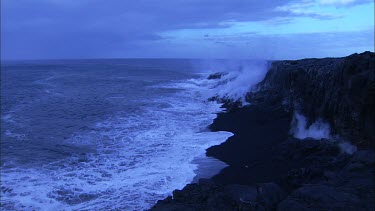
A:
238, 78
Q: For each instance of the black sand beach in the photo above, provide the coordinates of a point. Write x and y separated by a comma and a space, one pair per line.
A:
250, 152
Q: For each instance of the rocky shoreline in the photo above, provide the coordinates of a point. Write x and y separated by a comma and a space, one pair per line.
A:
268, 168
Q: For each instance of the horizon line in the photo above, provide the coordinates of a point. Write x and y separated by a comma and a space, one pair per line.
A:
165, 58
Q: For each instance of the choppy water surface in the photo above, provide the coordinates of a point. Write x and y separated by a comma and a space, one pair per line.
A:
100, 134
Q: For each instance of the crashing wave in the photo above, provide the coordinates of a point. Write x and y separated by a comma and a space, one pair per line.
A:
236, 81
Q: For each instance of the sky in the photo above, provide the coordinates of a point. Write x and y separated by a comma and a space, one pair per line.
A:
234, 29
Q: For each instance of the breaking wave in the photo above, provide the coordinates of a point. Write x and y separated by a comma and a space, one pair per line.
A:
138, 159
235, 79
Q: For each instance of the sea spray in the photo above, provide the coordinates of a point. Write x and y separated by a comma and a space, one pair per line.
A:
240, 78
316, 130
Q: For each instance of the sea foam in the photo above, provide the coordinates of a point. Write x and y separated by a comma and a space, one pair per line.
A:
139, 157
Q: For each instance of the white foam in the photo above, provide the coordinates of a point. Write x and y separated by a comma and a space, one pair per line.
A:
10, 120
239, 80
140, 158
7, 118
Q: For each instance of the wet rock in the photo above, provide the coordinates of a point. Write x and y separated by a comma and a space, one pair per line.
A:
216, 75
211, 197
229, 104
196, 197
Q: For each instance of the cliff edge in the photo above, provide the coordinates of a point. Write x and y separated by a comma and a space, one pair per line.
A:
340, 91
269, 169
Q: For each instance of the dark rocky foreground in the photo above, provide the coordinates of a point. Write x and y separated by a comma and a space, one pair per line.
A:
270, 170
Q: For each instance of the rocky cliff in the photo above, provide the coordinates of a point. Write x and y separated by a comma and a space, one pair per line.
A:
340, 91
271, 170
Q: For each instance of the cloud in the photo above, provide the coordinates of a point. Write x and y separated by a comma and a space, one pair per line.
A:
336, 2
343, 3
340, 3
101, 28
281, 46
61, 28
313, 8
306, 8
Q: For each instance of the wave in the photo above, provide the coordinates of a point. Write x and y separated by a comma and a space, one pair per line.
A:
237, 79
138, 159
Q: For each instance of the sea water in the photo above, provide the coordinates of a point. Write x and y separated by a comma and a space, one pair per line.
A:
101, 134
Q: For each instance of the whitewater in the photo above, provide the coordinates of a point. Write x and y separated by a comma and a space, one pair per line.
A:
105, 134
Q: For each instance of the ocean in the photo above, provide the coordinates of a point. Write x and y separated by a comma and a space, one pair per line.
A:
102, 134
110, 134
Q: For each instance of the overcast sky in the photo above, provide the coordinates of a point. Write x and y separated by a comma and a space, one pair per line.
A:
267, 29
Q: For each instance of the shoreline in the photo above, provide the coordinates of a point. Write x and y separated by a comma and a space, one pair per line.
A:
249, 151
207, 167
268, 168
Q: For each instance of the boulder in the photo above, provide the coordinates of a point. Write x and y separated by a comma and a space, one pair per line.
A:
216, 75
